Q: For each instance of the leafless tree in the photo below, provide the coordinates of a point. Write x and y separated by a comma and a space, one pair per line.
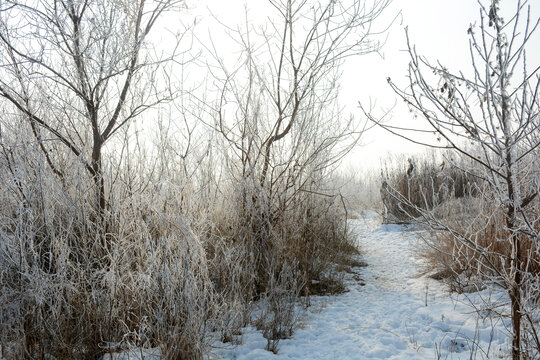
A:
287, 121
490, 117
77, 71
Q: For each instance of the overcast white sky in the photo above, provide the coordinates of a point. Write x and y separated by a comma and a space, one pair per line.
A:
438, 28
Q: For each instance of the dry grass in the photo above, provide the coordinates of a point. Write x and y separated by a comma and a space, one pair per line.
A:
147, 275
173, 259
72, 290
422, 183
476, 241
483, 223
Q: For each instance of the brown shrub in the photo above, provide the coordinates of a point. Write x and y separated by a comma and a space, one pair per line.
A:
487, 250
422, 183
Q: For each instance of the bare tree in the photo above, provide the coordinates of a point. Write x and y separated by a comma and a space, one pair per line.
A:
491, 119
287, 122
77, 71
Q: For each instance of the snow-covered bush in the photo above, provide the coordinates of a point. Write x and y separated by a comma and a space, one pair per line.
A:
70, 290
278, 316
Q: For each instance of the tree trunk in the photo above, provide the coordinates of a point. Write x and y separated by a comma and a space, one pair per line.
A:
97, 175
515, 293
515, 298
515, 286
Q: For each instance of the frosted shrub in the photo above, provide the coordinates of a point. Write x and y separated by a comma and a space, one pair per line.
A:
278, 317
232, 272
71, 291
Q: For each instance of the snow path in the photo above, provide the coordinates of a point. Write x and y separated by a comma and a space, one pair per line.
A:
384, 313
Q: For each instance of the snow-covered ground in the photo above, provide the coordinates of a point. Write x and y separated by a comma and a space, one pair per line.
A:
384, 313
